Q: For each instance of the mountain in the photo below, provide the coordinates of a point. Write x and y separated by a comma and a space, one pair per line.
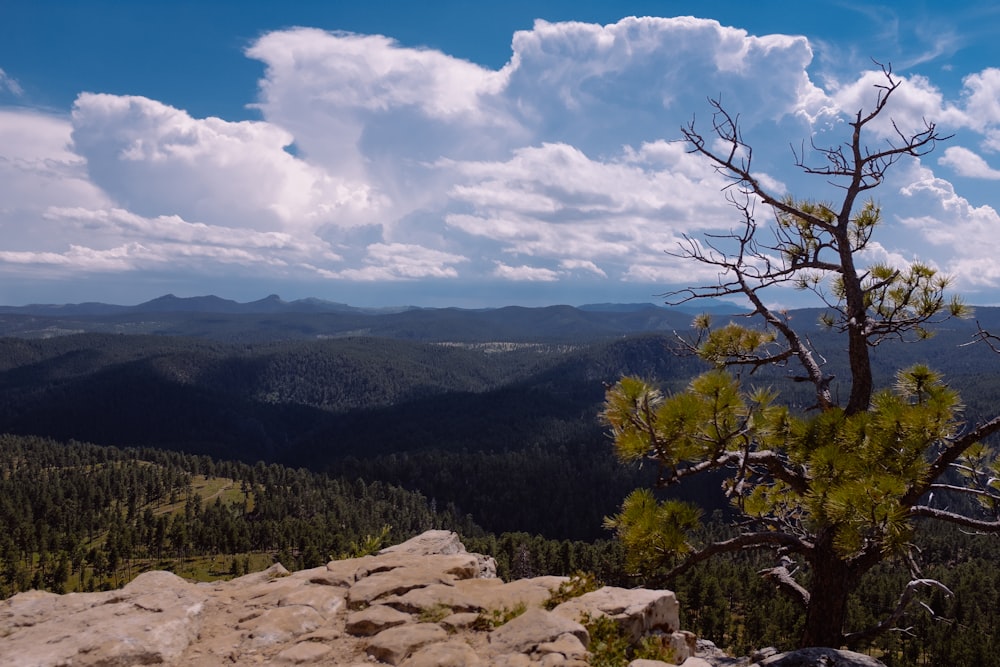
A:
272, 318
169, 303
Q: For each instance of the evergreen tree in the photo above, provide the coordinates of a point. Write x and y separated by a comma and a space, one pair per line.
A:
832, 490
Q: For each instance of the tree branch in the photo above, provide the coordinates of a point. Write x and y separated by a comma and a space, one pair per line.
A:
905, 598
947, 457
958, 519
784, 581
772, 540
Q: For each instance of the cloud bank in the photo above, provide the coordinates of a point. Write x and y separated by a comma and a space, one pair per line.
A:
374, 162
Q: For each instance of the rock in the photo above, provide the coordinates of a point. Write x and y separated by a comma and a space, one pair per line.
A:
819, 657
447, 654
374, 620
304, 652
154, 619
443, 542
346, 613
280, 625
394, 582
427, 543
434, 596
638, 611
497, 594
534, 627
683, 644
568, 645
395, 644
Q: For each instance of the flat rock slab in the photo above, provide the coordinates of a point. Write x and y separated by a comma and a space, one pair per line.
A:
304, 653
152, 620
281, 625
496, 594
819, 657
396, 644
374, 620
533, 628
639, 611
446, 654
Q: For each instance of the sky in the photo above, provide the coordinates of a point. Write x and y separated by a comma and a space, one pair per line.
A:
386, 153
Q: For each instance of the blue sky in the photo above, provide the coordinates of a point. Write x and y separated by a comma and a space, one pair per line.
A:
458, 153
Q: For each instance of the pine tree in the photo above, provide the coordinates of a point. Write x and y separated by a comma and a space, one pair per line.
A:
836, 489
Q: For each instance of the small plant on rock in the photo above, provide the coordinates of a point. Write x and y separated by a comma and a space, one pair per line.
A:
494, 618
578, 584
610, 646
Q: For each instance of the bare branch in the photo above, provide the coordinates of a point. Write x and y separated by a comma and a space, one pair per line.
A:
955, 518
784, 581
773, 540
889, 623
948, 455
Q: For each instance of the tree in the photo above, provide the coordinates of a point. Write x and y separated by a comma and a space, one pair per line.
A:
831, 489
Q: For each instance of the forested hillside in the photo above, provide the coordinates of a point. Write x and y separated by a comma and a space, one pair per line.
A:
85, 517
497, 438
503, 429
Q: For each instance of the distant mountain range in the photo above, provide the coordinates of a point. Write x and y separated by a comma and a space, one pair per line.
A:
273, 318
196, 304
169, 303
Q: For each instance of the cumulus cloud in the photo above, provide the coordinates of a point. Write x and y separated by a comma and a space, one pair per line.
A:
524, 273
966, 163
555, 202
158, 160
400, 261
964, 235
377, 162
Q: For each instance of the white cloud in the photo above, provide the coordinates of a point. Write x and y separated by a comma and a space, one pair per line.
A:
524, 273
10, 84
378, 162
582, 265
399, 261
964, 236
968, 164
553, 201
158, 160
37, 167
982, 99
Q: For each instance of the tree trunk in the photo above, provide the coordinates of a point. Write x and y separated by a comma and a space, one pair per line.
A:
832, 583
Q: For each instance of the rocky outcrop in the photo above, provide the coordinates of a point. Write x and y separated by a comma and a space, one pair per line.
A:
423, 603
819, 657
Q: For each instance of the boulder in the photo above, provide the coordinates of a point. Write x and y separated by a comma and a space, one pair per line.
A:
525, 633
396, 644
443, 542
446, 654
819, 657
153, 619
374, 620
638, 611
428, 543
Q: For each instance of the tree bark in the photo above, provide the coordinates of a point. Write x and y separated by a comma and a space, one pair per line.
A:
832, 582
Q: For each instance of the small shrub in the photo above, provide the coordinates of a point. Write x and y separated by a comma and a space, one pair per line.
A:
610, 647
578, 584
494, 618
434, 613
369, 545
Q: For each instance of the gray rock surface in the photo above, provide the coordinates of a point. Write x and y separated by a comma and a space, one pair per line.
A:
819, 657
